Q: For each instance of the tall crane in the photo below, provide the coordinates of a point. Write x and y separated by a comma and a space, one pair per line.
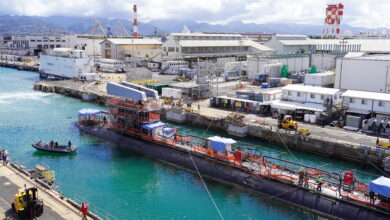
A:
98, 25
123, 28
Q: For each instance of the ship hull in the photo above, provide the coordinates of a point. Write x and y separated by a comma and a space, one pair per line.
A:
330, 207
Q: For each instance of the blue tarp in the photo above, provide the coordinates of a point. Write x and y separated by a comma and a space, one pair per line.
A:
152, 125
90, 112
219, 146
380, 186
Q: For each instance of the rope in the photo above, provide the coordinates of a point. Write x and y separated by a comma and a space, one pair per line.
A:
205, 186
288, 148
208, 127
384, 173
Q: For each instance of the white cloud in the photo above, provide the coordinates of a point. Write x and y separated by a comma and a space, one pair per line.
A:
366, 13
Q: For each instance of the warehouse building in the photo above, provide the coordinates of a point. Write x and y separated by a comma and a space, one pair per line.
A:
300, 100
34, 44
194, 46
365, 73
123, 48
291, 44
371, 46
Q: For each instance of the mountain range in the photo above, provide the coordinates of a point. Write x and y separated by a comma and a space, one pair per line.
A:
87, 25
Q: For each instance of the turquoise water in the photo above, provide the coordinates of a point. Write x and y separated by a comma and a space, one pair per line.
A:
127, 185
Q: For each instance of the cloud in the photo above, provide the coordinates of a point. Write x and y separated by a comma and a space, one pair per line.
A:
365, 13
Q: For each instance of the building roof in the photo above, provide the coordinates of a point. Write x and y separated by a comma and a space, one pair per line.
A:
296, 105
373, 57
311, 89
298, 42
367, 95
291, 36
133, 41
224, 43
367, 45
204, 35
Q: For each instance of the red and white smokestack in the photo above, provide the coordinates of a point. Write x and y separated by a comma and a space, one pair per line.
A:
135, 23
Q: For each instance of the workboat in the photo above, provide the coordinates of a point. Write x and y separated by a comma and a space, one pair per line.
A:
135, 124
51, 147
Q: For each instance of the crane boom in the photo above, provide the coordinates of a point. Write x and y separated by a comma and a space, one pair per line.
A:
123, 28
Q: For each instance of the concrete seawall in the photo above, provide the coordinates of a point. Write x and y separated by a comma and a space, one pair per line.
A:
72, 91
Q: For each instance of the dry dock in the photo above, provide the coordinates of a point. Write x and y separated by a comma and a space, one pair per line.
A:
328, 141
55, 207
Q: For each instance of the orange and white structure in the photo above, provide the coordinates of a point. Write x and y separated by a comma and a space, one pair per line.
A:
135, 22
334, 14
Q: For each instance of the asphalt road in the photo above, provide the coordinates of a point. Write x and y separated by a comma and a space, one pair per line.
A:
7, 193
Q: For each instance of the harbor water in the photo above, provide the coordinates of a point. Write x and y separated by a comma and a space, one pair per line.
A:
123, 183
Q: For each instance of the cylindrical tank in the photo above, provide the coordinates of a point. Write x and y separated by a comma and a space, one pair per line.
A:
313, 119
306, 118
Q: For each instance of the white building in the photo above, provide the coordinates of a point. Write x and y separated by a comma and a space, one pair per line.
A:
310, 98
120, 48
291, 44
65, 63
365, 103
378, 46
173, 67
191, 46
366, 73
325, 79
34, 44
110, 65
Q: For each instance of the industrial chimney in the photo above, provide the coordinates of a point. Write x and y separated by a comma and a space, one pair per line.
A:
135, 23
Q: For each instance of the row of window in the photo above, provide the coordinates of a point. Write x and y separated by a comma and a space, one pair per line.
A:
47, 40
206, 38
312, 95
364, 102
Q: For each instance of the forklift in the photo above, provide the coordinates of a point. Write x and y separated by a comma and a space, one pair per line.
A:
286, 122
27, 204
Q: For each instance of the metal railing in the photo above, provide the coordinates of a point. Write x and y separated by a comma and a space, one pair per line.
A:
94, 208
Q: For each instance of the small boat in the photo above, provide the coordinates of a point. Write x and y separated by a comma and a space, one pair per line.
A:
39, 145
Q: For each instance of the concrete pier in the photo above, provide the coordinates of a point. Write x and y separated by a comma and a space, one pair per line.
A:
55, 206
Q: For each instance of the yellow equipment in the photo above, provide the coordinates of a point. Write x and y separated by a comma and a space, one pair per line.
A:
235, 116
303, 131
384, 144
27, 204
286, 122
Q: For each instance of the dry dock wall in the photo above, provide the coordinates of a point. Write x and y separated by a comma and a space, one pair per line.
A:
314, 144
75, 93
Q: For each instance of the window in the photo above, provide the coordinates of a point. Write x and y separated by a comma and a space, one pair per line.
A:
299, 94
364, 102
312, 96
322, 97
380, 104
351, 100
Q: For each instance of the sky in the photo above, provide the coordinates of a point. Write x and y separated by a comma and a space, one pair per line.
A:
358, 13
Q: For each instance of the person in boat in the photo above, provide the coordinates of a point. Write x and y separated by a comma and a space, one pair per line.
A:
301, 175
319, 183
51, 144
306, 179
104, 120
372, 197
69, 143
56, 144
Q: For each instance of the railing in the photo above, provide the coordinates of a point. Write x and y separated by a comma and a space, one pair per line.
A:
100, 212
